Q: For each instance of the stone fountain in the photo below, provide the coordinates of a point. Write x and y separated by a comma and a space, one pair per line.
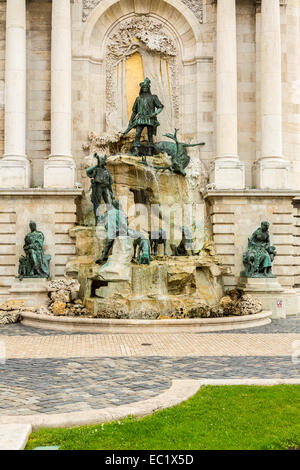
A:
140, 183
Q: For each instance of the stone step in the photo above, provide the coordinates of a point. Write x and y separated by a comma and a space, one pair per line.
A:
14, 436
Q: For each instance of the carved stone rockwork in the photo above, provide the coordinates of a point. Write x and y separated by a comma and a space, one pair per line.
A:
149, 38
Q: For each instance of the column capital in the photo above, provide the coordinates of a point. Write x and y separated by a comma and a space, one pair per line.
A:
282, 3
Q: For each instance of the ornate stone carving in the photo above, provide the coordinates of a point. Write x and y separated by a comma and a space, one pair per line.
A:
197, 8
149, 32
139, 34
195, 5
87, 7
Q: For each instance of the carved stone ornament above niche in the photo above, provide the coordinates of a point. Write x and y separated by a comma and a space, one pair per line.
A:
196, 6
135, 31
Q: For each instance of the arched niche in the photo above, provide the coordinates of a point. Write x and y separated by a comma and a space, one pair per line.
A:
174, 13
179, 29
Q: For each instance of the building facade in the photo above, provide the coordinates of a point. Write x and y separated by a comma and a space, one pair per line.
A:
228, 72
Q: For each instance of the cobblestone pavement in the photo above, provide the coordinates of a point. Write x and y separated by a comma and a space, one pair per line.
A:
51, 372
61, 385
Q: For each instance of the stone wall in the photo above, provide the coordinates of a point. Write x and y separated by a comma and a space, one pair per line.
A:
197, 86
2, 72
55, 214
236, 215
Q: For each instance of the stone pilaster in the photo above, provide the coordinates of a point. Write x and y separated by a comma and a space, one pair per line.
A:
14, 167
228, 171
59, 170
271, 171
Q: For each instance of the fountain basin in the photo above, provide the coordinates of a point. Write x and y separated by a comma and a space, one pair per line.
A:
113, 326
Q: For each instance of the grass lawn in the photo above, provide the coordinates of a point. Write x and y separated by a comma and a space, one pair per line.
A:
217, 417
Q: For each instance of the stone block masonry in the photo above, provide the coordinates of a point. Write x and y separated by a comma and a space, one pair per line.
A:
236, 214
55, 214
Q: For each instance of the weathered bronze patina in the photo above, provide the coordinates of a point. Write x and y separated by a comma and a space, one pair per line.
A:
177, 151
35, 264
156, 238
260, 254
186, 246
143, 245
116, 224
102, 182
144, 114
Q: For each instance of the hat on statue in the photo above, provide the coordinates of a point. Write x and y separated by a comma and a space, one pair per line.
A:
146, 82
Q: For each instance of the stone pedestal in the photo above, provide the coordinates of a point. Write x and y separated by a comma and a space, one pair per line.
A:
269, 292
228, 173
118, 266
59, 172
33, 291
271, 173
15, 172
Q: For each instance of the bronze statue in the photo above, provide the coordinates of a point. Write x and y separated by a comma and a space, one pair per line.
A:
260, 254
158, 238
186, 246
144, 114
116, 224
102, 182
143, 245
35, 264
177, 151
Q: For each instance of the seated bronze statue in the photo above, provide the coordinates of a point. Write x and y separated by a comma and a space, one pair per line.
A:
260, 254
35, 264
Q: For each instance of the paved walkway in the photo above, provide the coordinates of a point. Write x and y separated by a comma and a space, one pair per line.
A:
51, 372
